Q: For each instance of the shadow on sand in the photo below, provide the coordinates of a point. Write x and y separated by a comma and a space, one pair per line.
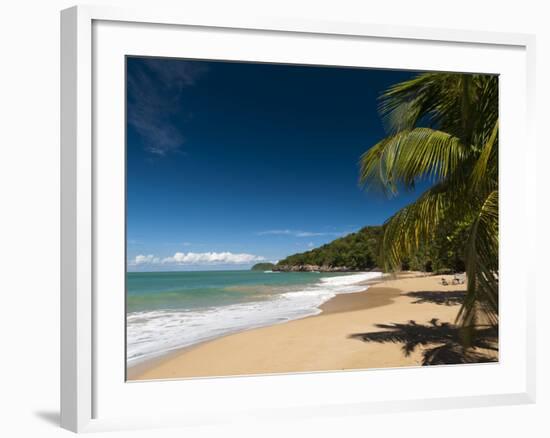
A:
443, 340
446, 298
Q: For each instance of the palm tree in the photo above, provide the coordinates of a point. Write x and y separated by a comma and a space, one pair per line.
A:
443, 127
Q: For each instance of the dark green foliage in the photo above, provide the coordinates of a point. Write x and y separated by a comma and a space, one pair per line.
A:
360, 251
356, 251
444, 254
263, 267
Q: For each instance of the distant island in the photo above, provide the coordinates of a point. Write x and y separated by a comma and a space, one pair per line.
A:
354, 252
263, 267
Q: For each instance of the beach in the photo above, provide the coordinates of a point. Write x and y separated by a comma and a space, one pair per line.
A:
398, 321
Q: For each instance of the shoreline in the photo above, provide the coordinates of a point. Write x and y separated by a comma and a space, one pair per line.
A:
145, 363
322, 342
333, 305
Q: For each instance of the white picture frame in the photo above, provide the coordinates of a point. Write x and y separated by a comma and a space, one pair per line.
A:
92, 36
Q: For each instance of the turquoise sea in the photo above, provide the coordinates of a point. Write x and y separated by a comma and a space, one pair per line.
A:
170, 310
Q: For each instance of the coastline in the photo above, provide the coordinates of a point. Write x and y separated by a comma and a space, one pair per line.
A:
332, 340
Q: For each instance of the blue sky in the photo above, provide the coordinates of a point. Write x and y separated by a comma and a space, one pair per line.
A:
233, 163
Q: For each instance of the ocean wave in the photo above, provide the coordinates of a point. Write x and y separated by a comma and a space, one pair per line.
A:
153, 333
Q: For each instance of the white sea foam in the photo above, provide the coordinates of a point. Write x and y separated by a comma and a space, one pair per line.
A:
154, 333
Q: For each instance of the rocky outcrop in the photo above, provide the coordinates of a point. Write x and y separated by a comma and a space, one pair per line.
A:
312, 268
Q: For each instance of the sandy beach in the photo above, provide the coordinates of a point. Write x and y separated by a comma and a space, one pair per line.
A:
399, 321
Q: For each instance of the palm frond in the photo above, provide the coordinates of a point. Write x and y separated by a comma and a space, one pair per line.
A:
459, 104
485, 171
417, 223
404, 158
443, 127
405, 103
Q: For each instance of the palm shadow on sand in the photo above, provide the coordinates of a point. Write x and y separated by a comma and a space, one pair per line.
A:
445, 298
443, 339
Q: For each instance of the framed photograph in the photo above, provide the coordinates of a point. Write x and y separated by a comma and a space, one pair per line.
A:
253, 209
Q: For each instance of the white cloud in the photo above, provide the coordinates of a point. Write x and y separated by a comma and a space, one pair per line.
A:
149, 109
217, 258
274, 232
142, 259
312, 234
197, 258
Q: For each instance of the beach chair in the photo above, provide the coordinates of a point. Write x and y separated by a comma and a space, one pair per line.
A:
459, 279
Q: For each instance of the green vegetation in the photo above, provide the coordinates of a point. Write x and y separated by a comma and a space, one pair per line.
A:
356, 251
360, 252
444, 254
263, 267
443, 127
